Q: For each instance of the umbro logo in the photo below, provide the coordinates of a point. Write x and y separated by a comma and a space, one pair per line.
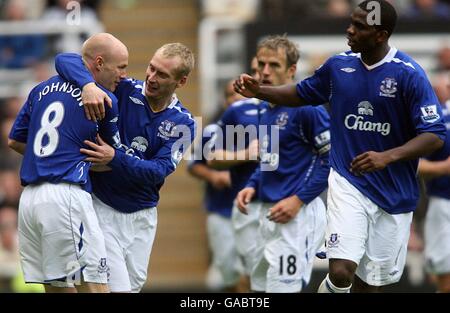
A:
137, 101
251, 112
348, 69
114, 120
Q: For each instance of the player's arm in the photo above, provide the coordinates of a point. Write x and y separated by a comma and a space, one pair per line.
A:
316, 125
426, 114
70, 66
417, 147
431, 169
218, 179
314, 90
152, 171
108, 128
218, 156
251, 189
283, 95
224, 159
155, 170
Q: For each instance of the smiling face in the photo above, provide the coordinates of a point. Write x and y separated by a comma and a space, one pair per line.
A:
272, 67
161, 76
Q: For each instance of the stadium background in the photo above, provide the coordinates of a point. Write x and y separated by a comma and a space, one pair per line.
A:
222, 34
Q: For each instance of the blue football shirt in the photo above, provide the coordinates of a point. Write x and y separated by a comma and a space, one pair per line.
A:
53, 125
376, 108
440, 186
153, 142
294, 153
238, 121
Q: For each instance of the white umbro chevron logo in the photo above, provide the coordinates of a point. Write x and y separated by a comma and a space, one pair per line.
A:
348, 69
137, 101
114, 120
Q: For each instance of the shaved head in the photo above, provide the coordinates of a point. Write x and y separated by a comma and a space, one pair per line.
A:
102, 44
107, 59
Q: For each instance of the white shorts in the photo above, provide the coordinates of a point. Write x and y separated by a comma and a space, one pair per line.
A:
437, 236
59, 234
245, 233
223, 247
129, 239
360, 231
285, 252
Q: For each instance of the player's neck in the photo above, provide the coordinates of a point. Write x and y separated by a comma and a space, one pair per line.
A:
376, 55
90, 68
158, 105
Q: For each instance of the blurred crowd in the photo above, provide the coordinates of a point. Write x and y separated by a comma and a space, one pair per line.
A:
282, 10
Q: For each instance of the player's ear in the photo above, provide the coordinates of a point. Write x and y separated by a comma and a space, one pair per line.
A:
382, 36
182, 82
99, 62
292, 70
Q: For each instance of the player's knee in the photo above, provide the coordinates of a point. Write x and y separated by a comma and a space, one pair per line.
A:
342, 273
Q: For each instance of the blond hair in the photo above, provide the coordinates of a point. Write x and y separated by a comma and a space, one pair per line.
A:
276, 42
186, 56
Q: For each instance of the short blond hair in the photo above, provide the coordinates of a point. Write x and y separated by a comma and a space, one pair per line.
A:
186, 56
276, 42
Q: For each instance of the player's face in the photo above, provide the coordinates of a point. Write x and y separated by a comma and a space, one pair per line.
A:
272, 67
361, 36
161, 80
113, 70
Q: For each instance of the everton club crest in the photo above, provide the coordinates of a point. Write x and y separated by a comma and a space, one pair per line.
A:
282, 119
166, 129
388, 87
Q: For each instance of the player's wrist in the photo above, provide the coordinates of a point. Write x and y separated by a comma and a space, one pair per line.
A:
297, 200
88, 85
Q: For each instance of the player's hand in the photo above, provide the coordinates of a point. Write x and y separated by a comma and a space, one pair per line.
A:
253, 150
244, 197
285, 210
101, 153
94, 100
221, 180
246, 86
369, 162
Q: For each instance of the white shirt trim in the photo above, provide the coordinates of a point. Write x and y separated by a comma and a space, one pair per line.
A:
387, 59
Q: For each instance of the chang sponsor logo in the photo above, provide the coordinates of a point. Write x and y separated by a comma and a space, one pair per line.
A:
140, 144
358, 122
